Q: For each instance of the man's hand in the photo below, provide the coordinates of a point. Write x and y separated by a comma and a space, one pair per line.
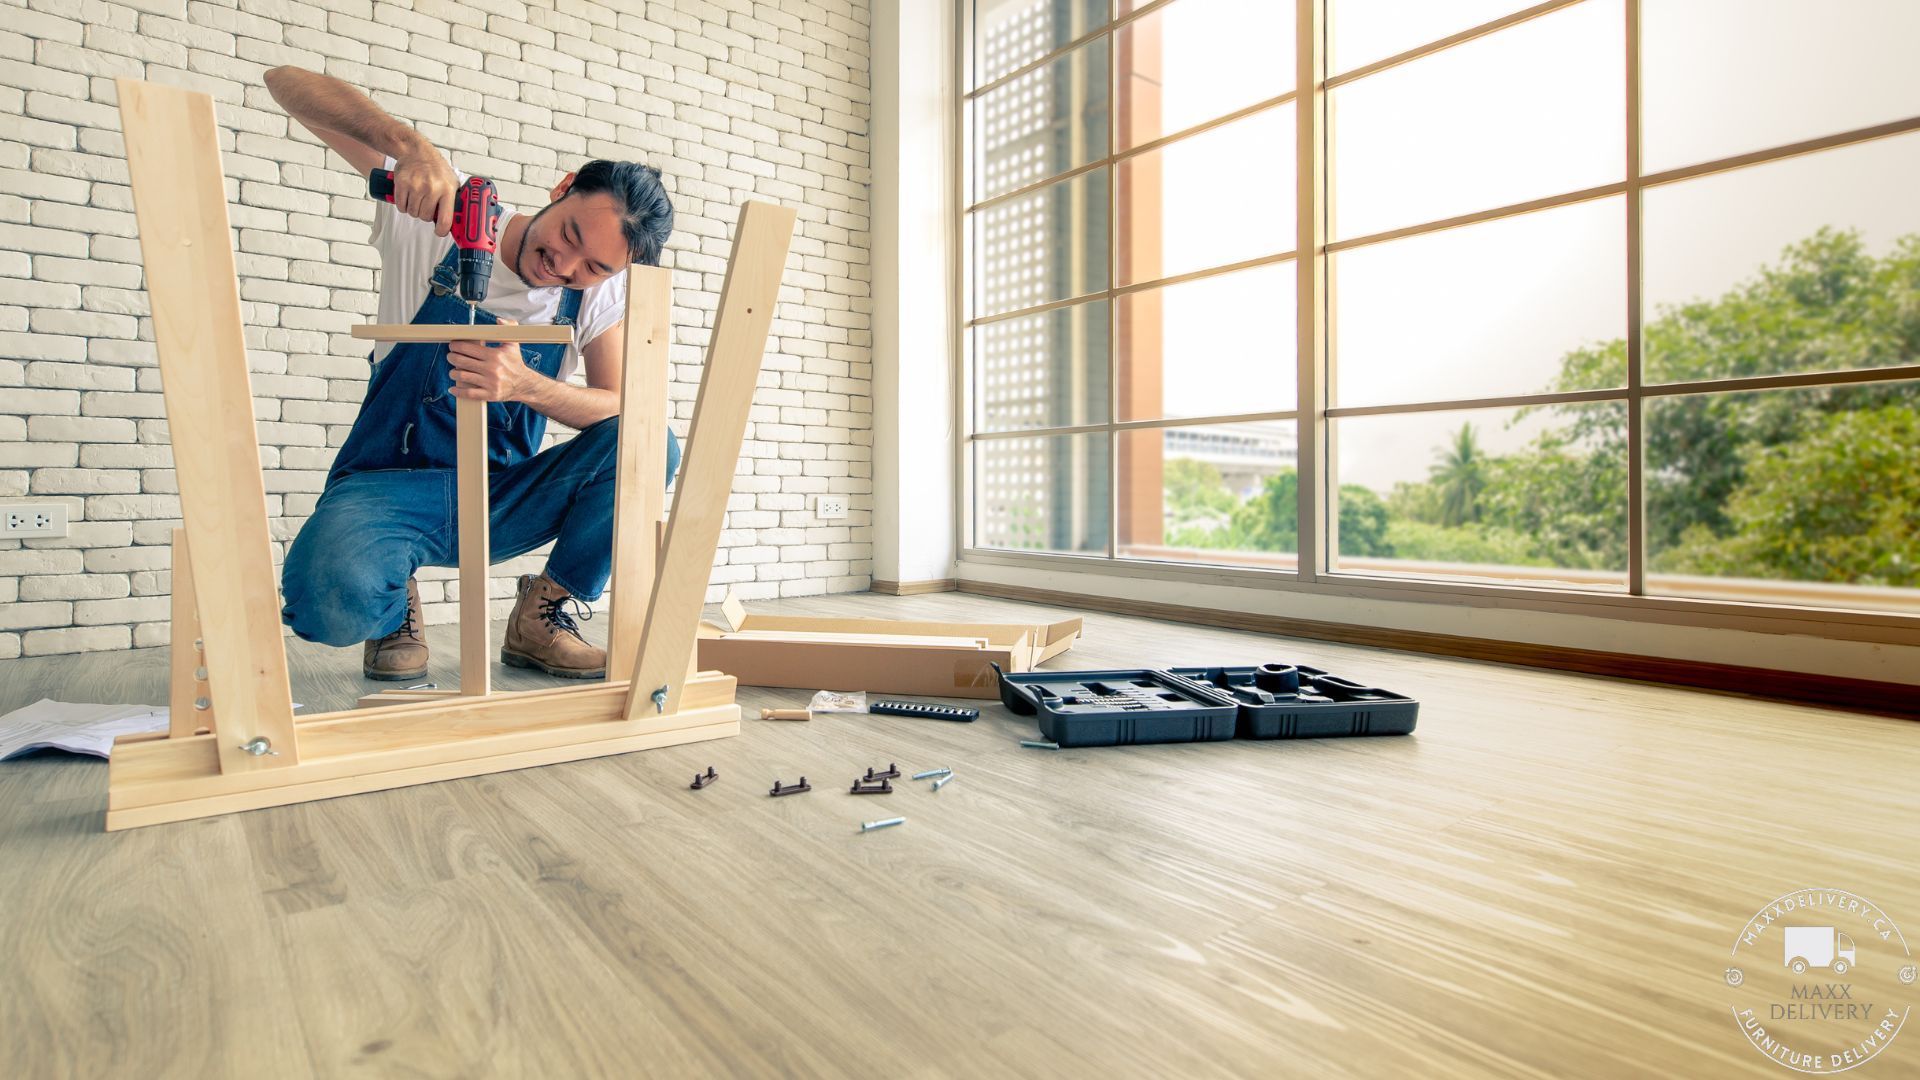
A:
490, 372
424, 186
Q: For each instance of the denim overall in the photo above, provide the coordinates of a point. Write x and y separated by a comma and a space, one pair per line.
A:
389, 504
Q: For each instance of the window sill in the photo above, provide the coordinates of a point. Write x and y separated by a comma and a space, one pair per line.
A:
1890, 616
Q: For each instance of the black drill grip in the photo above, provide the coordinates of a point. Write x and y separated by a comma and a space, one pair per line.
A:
380, 184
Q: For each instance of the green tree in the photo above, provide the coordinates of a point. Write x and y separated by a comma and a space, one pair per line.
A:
1568, 496
1363, 522
1195, 492
1270, 520
1827, 305
1426, 541
1459, 474
1840, 504
1414, 500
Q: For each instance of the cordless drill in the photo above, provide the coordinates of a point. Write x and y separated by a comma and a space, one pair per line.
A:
476, 230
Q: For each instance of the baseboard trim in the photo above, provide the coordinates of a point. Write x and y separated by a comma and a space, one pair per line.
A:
914, 588
1863, 695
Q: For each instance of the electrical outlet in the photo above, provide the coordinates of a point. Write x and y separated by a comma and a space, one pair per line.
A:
24, 521
828, 507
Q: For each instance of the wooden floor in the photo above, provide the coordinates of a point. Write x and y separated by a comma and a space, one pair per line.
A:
1543, 881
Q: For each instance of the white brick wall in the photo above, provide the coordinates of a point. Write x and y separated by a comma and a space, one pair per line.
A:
731, 99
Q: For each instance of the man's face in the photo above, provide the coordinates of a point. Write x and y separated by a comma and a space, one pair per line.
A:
574, 241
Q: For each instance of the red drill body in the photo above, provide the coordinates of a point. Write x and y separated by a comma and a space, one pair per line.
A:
476, 228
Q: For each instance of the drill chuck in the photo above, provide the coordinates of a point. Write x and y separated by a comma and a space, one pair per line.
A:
476, 271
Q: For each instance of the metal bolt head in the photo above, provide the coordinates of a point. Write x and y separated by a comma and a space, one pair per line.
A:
660, 700
202, 704
200, 674
259, 746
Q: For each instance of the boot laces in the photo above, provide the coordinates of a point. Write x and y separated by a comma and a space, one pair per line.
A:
406, 628
555, 614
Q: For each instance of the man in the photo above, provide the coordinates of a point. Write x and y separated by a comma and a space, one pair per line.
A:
388, 505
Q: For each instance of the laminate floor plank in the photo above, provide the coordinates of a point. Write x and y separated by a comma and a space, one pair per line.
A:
469, 977
138, 954
1542, 882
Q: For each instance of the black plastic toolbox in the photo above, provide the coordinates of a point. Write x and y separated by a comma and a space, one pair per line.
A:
1119, 708
1202, 704
1288, 701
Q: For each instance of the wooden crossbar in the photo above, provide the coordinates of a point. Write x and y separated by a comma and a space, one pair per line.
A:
431, 333
256, 754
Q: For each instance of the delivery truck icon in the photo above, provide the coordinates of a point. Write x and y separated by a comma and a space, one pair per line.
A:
1818, 946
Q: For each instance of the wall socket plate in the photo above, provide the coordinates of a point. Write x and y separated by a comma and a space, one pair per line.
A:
829, 507
24, 521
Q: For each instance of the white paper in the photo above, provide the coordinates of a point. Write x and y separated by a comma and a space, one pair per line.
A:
75, 727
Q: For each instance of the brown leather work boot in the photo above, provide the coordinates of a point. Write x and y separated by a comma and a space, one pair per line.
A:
403, 653
542, 634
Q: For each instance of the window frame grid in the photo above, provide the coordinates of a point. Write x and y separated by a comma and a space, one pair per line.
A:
1315, 468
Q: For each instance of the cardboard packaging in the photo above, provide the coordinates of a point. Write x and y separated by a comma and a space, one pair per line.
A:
879, 656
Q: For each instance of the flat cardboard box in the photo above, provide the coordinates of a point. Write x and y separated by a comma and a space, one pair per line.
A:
935, 670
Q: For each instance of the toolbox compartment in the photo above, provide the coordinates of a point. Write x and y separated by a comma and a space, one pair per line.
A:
1202, 704
1311, 704
1119, 708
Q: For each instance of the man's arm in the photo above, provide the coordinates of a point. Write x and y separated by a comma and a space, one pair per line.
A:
497, 374
365, 135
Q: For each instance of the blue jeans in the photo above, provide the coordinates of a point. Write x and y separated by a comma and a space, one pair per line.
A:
345, 577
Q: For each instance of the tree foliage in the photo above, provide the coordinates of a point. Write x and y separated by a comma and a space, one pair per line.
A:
1828, 305
1807, 484
1195, 492
1841, 504
1460, 476
1270, 519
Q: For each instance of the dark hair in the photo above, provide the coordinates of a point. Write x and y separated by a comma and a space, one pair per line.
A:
646, 217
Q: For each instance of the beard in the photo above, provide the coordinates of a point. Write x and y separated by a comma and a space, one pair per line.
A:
534, 254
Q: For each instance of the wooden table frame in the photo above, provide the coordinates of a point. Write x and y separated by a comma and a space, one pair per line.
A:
234, 743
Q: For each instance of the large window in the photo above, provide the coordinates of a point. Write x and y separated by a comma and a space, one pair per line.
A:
1608, 296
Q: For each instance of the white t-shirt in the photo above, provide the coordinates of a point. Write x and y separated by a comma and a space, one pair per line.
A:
409, 251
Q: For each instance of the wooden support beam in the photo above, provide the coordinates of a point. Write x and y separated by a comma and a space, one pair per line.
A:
431, 333
470, 441
351, 752
734, 355
640, 493
180, 202
185, 686
410, 697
